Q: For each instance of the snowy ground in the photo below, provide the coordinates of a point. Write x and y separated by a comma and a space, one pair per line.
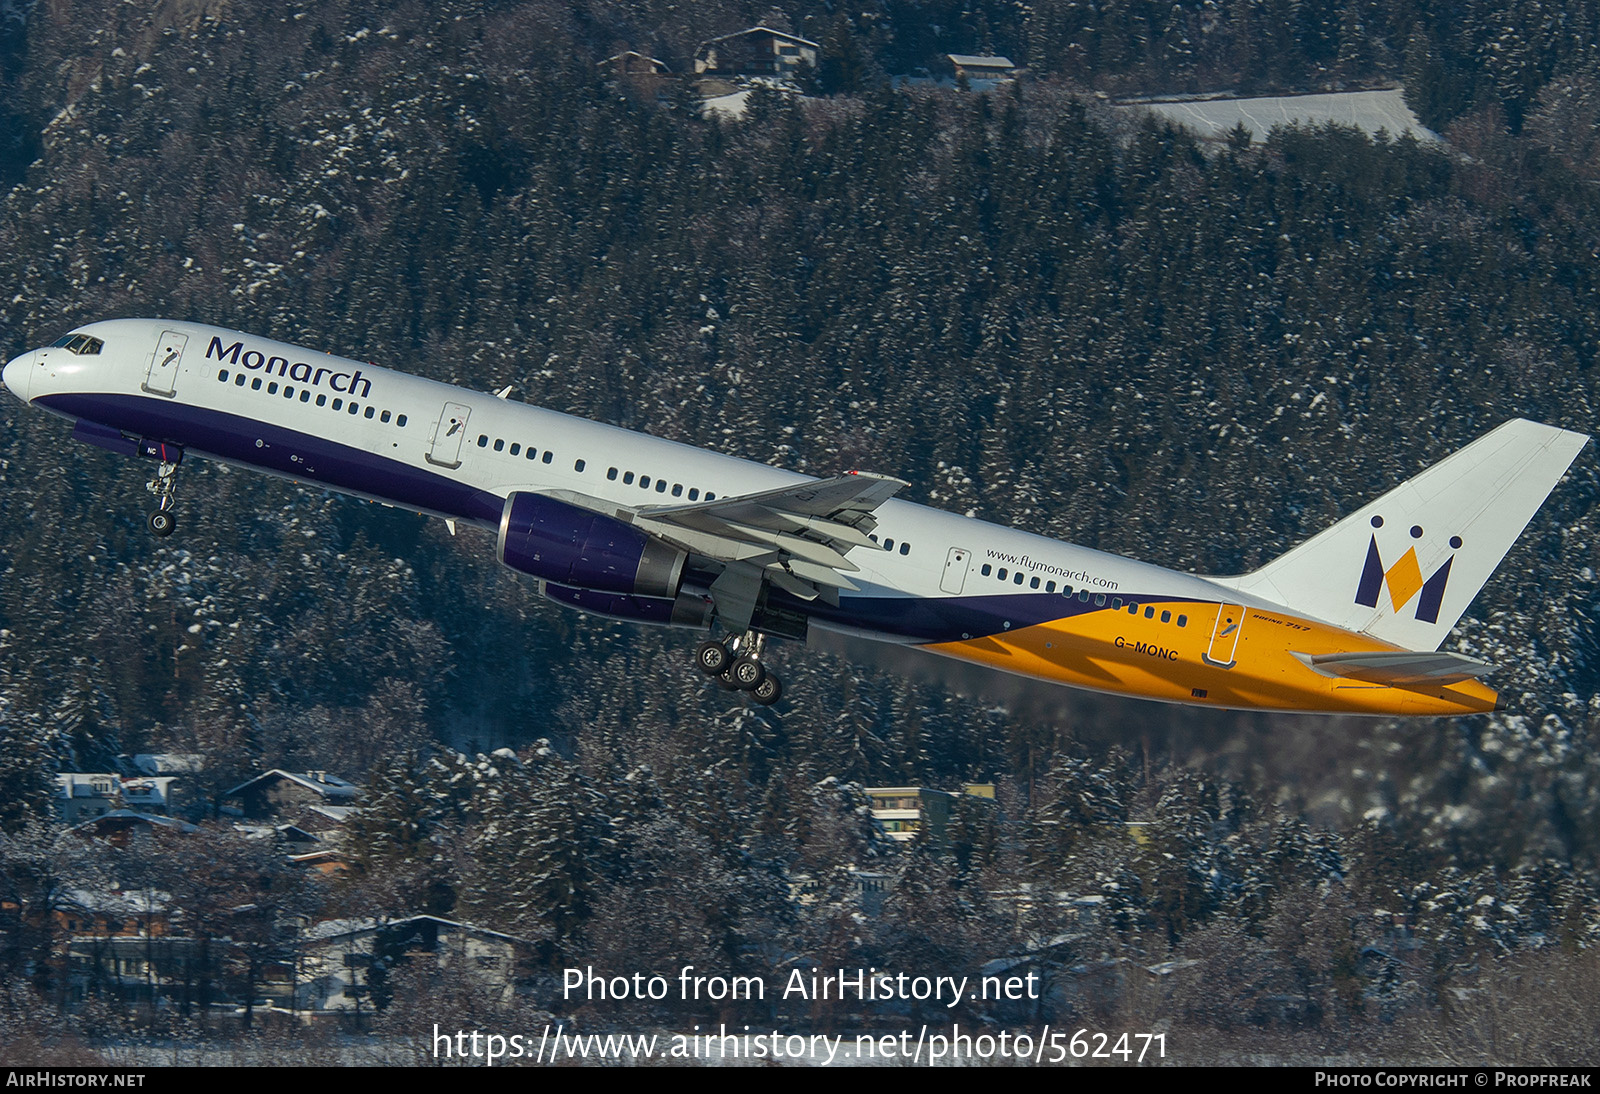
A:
1368, 111
727, 107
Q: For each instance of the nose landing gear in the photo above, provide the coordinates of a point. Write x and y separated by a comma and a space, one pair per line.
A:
165, 488
736, 666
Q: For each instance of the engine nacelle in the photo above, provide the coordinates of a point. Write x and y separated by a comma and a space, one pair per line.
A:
691, 607
572, 546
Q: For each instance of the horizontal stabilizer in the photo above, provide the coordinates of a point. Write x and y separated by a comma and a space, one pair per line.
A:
1398, 668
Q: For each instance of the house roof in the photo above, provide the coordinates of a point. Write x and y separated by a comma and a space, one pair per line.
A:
339, 928
129, 816
760, 30
969, 60
329, 786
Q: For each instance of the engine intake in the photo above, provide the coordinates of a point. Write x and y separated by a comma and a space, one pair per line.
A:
573, 546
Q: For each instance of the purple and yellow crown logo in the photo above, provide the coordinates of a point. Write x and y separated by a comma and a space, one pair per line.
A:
1404, 578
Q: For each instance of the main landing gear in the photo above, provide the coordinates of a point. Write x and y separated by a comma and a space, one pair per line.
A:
165, 488
736, 666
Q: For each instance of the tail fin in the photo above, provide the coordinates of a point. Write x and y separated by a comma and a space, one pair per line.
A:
1405, 567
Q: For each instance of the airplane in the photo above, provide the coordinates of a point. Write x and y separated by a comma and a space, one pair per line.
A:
634, 527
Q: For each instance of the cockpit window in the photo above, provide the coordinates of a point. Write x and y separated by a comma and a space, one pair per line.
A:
81, 344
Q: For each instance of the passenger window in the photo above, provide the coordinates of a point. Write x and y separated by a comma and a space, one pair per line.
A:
661, 486
1033, 583
627, 478
1116, 603
612, 474
1083, 595
255, 385
223, 375
288, 391
1017, 578
305, 395
322, 400
546, 457
483, 440
533, 453
272, 388
1049, 586
384, 417
578, 465
369, 413
888, 544
499, 444
677, 489
1183, 621
1099, 600
338, 404
1066, 590
905, 549
710, 496
1002, 574
986, 570
400, 421
644, 482
1133, 609
1149, 612
1166, 617
238, 381
355, 407
694, 493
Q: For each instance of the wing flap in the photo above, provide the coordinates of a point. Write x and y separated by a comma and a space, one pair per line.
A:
795, 537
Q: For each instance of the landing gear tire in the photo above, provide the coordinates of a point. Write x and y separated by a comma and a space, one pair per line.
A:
162, 523
725, 680
769, 691
748, 673
712, 658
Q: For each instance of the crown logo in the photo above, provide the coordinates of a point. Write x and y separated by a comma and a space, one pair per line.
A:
1404, 578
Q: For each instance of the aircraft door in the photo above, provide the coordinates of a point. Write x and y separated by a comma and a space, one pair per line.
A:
955, 570
1225, 636
162, 376
444, 448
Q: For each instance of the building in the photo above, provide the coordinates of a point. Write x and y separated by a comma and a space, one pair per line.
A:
82, 796
977, 67
272, 795
168, 763
759, 51
905, 811
341, 960
634, 63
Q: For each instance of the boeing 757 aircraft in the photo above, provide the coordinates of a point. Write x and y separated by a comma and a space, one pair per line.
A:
634, 527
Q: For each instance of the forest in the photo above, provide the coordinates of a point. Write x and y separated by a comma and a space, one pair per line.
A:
1033, 308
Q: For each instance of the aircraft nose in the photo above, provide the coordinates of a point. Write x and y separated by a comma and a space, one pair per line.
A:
17, 373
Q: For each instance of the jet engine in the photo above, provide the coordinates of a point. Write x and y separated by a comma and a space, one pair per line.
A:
572, 546
691, 608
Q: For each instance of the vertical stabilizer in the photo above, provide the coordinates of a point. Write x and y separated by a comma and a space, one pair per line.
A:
1405, 567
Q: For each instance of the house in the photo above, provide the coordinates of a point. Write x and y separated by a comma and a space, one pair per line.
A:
275, 793
161, 794
343, 962
634, 63
758, 51
904, 811
979, 67
121, 827
167, 763
81, 795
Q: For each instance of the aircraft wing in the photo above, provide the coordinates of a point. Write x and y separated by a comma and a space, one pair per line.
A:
795, 537
1399, 668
